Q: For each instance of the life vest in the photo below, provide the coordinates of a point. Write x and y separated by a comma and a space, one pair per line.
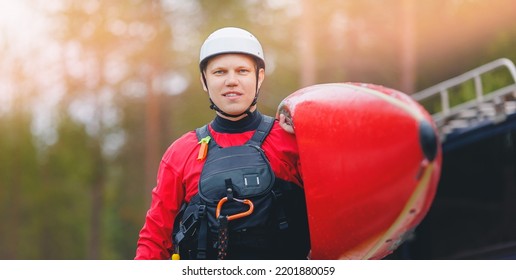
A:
238, 212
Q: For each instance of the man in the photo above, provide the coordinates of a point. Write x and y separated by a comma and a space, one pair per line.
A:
240, 212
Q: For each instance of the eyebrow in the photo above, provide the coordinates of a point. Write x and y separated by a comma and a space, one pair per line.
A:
222, 67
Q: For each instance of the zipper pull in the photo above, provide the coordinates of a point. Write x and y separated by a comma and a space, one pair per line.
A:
203, 150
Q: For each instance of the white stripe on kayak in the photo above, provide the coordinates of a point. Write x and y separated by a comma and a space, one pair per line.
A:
392, 100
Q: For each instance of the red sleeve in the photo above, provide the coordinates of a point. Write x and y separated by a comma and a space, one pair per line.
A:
169, 193
282, 151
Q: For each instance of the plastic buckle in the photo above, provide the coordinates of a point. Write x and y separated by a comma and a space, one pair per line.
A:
202, 211
179, 237
187, 225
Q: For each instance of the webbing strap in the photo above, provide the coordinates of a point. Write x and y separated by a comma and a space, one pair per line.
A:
202, 132
281, 218
262, 131
202, 241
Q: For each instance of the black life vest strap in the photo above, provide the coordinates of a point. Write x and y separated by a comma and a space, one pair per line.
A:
262, 131
178, 236
281, 218
202, 241
202, 132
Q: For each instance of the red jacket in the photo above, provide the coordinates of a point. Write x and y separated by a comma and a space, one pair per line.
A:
179, 173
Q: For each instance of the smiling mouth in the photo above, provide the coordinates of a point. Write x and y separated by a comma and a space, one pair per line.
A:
231, 94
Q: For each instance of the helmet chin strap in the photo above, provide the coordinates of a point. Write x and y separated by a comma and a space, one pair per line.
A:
247, 111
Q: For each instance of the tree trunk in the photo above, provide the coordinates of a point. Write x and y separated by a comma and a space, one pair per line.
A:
97, 205
307, 54
151, 137
408, 52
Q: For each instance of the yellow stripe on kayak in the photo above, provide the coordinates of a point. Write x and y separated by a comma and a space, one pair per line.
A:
420, 189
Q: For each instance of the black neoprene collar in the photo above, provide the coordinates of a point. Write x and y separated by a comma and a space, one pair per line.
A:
248, 123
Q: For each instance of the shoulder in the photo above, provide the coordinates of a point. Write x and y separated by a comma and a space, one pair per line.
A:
280, 141
283, 154
277, 133
181, 148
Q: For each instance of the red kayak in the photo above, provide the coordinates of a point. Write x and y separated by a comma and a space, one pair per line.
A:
371, 161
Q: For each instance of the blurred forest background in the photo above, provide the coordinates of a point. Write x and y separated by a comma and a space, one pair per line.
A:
92, 93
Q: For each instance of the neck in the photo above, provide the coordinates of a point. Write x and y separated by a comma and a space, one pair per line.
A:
252, 109
245, 123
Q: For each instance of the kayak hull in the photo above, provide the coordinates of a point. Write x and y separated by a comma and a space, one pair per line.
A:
371, 160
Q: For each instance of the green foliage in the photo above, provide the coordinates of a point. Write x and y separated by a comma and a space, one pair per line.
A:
70, 169
433, 105
19, 182
461, 93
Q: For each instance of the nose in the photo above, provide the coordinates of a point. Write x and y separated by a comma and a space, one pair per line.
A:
231, 79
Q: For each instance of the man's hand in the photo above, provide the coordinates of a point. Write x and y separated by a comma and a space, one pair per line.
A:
286, 124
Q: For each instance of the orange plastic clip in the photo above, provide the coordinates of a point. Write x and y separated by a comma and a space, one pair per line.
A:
203, 150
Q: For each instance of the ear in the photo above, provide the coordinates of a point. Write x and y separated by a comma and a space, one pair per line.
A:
202, 83
261, 77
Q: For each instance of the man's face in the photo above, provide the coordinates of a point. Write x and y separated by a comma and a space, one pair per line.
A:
231, 82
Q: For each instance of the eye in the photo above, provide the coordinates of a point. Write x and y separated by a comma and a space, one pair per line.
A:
218, 72
243, 71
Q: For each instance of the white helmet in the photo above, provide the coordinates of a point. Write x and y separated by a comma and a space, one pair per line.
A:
231, 40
